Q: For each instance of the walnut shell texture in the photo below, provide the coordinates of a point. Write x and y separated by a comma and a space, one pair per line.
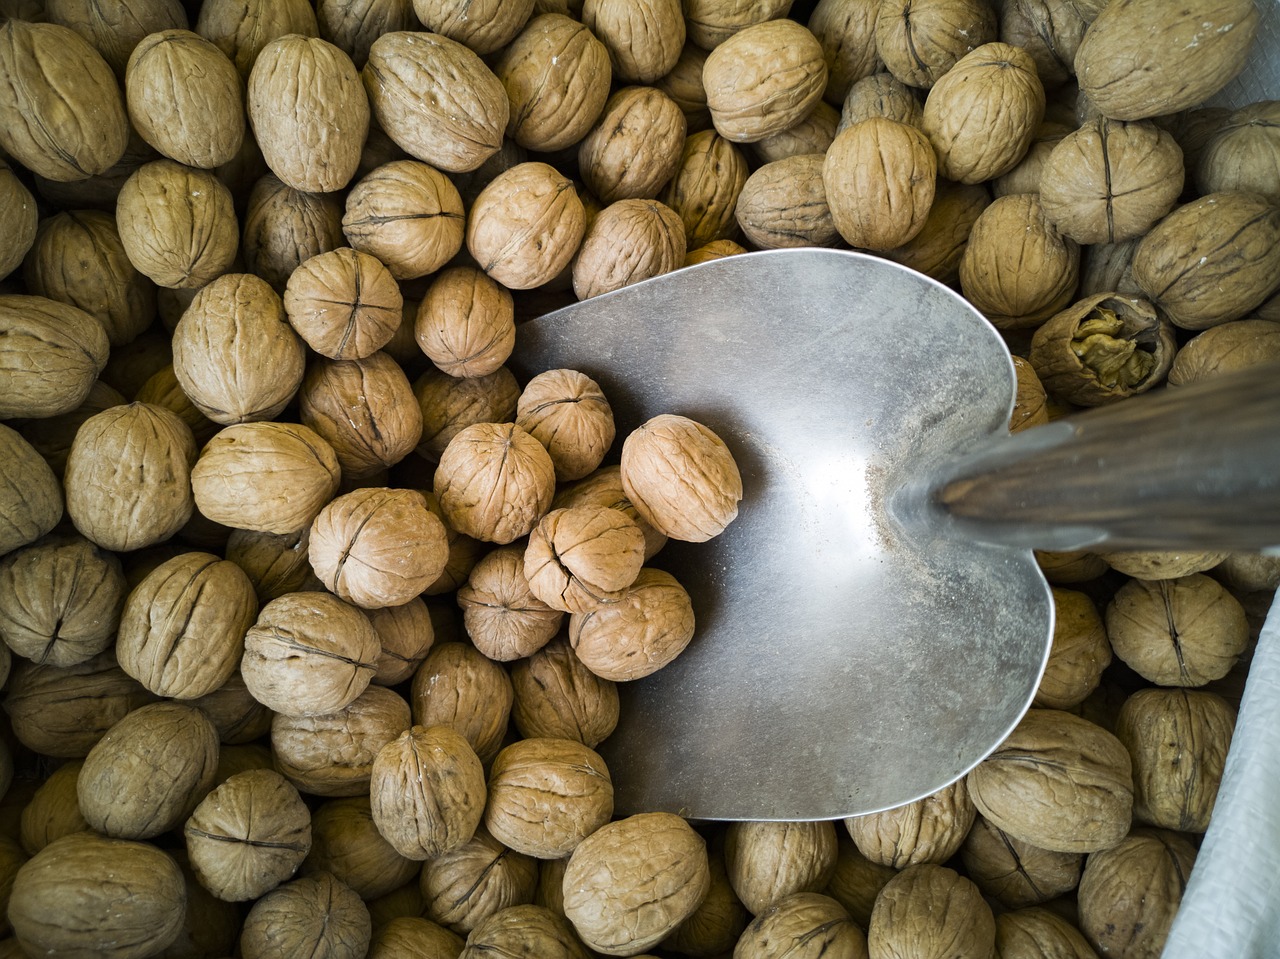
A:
450, 404
929, 910
466, 322
847, 31
516, 929
921, 40
501, 615
628, 241
634, 149
603, 487
494, 482
31, 502
805, 925
475, 881
636, 636
1078, 654
583, 557
927, 830
556, 696
345, 842
880, 179
458, 687
407, 214
50, 355
784, 203
484, 27
344, 303
284, 227
769, 860
705, 188
1013, 873
313, 916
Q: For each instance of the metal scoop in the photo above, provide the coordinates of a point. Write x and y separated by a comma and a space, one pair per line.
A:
874, 623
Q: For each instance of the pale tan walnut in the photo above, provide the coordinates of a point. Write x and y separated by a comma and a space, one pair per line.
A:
268, 477
238, 717
243, 758
764, 79
603, 487
880, 95
939, 247
526, 225
1178, 740
177, 224
276, 563
494, 482
930, 910
53, 811
634, 149
1212, 260
1037, 932
705, 188
880, 177
309, 653
61, 905
681, 477
211, 923
427, 792
344, 303
583, 557
501, 615
550, 891
1244, 155
18, 208
1129, 894
77, 258
185, 98
983, 114
62, 711
248, 835
458, 687
769, 860
128, 477
1030, 401
313, 916
715, 250
62, 115
711, 22
1162, 564
557, 696
556, 75
1111, 181
1222, 349
149, 771
628, 241
1078, 654
409, 936
1141, 59
856, 881
50, 355
475, 881
1059, 782
847, 31
163, 389
407, 214
365, 409
523, 930
683, 84
234, 354
345, 843
1049, 30
1017, 269
567, 412
407, 635
919, 41
644, 38
784, 204
633, 881
803, 925
96, 192
547, 795
485, 27
1247, 572
451, 404
241, 28
332, 754
436, 99
927, 830
1027, 176
284, 227
464, 553
639, 634
466, 323
354, 25
30, 497
116, 30
717, 924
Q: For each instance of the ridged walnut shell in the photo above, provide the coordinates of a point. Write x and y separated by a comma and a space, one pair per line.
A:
927, 830
458, 687
603, 487
30, 496
501, 615
314, 916
1014, 873
921, 40
1221, 349
711, 22
476, 881
50, 355
466, 323
768, 860
451, 404
628, 241
804, 925
524, 929
930, 910
1040, 932
1078, 654
485, 27
345, 842
847, 31
407, 214
284, 227
1244, 154
635, 636
644, 38
557, 696
705, 188
115, 31
241, 28
784, 204
880, 177
634, 149
344, 303
568, 413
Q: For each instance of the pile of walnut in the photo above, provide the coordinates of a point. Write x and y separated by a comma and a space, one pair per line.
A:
312, 615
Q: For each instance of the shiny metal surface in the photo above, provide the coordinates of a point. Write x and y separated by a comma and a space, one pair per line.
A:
846, 660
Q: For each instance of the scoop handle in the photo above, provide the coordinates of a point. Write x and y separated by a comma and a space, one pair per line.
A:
1193, 467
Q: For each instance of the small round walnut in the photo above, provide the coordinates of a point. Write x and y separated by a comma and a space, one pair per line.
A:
50, 355
681, 477
30, 497
494, 482
546, 796
406, 636
501, 615
427, 792
637, 635
241, 28
628, 241
982, 115
458, 687
407, 214
567, 412
929, 910
583, 557
1244, 155
248, 835
1161, 564
485, 27
526, 225
309, 653
475, 881
769, 860
1225, 348
149, 771
276, 563
633, 151
1049, 30
283, 227
315, 916
927, 830
62, 905
466, 323
234, 354
344, 303
523, 930
804, 925
879, 177
53, 810
1078, 655
847, 31
880, 95
784, 204
163, 389
1185, 631
921, 40
345, 843
764, 79
705, 188
269, 477
557, 696
711, 22
1014, 873
1040, 932
177, 224
451, 404
128, 478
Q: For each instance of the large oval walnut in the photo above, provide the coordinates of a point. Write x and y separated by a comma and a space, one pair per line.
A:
768, 860
879, 177
644, 39
927, 830
784, 204
476, 881
50, 355
407, 214
501, 615
633, 151
639, 634
557, 696
930, 910
313, 916
705, 188
458, 687
628, 241
284, 227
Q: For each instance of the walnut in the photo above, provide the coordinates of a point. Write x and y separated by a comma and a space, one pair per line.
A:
717, 924
18, 207
314, 916
407, 214
550, 891
466, 323
1111, 181
128, 476
927, 830
1049, 30
1057, 781
276, 563
130, 366
458, 687
241, 28
634, 149
1212, 260
1030, 401
769, 860
938, 248
1129, 894
149, 771
494, 482
556, 74
546, 796
1027, 175
804, 925
1184, 631
407, 635
526, 225
1078, 655
983, 114
309, 653
856, 881
628, 241
1161, 564
233, 353
62, 115
53, 810
1140, 59
177, 224
1224, 348
604, 488
1249, 572
583, 557
248, 835
557, 696
637, 635
332, 754
269, 477
485, 27
436, 99
611, 884
523, 929
475, 881
50, 355
644, 40
1017, 269
345, 843
354, 26
879, 177
450, 404
847, 31
921, 40
784, 204
880, 95
410, 936
813, 134
427, 792
344, 303
115, 32
764, 79
284, 227
1242, 155
683, 84
1040, 932
238, 717
503, 618
163, 389
30, 497
705, 188
568, 413
711, 22
62, 903
930, 910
